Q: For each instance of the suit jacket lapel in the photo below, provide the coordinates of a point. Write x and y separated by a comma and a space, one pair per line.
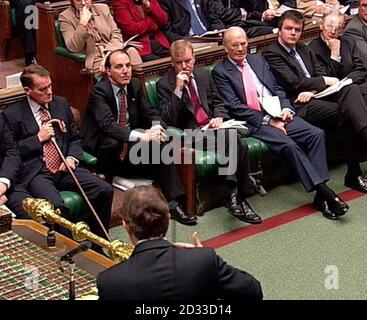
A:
237, 77
107, 88
55, 114
259, 70
30, 123
185, 96
306, 60
201, 83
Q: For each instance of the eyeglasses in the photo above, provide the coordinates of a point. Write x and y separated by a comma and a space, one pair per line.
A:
333, 27
239, 45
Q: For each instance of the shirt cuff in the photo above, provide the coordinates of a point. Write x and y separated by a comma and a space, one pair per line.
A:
336, 58
290, 110
243, 14
266, 119
135, 135
76, 160
6, 181
178, 94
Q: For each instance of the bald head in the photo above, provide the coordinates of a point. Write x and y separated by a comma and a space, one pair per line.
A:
235, 43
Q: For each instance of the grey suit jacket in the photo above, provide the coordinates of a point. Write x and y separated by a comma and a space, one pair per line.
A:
230, 86
357, 30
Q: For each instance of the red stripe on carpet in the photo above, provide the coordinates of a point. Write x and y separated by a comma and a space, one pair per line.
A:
270, 223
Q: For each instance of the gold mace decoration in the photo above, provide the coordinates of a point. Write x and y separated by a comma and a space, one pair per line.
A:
43, 211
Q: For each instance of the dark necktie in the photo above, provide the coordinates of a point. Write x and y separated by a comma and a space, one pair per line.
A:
52, 157
122, 120
292, 54
196, 26
200, 114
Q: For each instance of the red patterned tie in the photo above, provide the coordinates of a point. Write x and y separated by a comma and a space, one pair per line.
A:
250, 88
52, 157
122, 120
200, 114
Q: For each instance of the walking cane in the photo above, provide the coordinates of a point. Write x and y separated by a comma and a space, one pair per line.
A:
62, 127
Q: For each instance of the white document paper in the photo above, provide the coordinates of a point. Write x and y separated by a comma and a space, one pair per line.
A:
232, 123
271, 105
334, 88
5, 208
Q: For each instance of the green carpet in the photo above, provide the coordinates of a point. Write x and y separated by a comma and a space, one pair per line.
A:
292, 260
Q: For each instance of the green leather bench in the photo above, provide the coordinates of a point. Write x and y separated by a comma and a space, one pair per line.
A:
61, 48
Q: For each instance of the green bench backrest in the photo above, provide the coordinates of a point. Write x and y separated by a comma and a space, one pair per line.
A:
13, 17
61, 48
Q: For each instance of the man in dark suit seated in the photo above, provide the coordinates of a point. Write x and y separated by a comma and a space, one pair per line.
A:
357, 29
296, 69
161, 270
185, 18
43, 173
221, 16
240, 79
188, 100
337, 54
117, 108
9, 161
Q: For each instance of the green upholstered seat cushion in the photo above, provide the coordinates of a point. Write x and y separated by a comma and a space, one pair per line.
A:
75, 203
150, 86
73, 200
89, 159
61, 48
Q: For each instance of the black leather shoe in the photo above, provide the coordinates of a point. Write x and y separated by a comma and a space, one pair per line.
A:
338, 206
324, 208
234, 206
358, 183
180, 216
249, 215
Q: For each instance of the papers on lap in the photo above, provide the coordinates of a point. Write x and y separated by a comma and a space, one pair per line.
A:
334, 88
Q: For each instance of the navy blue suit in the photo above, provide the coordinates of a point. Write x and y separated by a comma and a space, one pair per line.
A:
157, 270
34, 180
304, 144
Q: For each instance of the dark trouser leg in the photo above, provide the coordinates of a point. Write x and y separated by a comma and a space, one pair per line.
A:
16, 195
165, 175
303, 147
327, 115
99, 193
27, 35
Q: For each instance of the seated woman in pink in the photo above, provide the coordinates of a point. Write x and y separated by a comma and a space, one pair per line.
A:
145, 18
89, 28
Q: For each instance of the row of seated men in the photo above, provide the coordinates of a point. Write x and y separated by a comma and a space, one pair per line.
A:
191, 98
91, 29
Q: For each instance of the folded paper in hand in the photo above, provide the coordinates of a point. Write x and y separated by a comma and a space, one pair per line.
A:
334, 88
235, 124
